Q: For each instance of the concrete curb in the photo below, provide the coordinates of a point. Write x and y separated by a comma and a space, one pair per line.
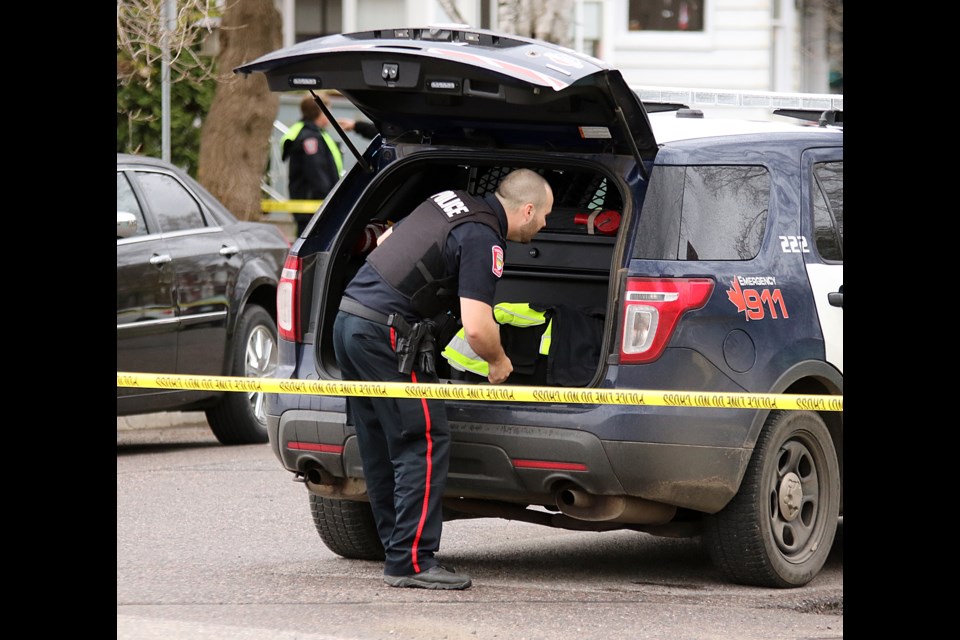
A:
166, 420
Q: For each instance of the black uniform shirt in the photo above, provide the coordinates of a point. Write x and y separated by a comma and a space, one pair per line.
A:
471, 251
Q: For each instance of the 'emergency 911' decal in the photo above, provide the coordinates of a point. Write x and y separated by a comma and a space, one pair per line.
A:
756, 303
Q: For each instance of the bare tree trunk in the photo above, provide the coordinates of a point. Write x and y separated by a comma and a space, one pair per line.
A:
451, 10
235, 139
548, 20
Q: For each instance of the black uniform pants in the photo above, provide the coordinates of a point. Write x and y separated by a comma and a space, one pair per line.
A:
404, 447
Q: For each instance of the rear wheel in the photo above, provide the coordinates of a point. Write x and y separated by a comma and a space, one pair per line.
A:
240, 417
347, 528
779, 528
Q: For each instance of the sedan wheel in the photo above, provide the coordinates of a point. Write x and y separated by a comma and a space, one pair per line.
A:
240, 418
261, 362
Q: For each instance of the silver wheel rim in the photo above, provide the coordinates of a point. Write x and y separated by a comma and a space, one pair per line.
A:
260, 361
795, 497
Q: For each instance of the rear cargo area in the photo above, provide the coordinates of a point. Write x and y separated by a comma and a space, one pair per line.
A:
564, 272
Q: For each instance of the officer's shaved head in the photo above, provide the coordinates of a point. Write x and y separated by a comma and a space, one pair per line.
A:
527, 200
522, 186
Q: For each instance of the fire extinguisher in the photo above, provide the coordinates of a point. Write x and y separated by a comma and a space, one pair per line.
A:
603, 222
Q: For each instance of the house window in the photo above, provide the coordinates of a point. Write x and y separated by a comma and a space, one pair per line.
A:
317, 18
666, 15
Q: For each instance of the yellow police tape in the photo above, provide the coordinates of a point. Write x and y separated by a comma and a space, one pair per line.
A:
485, 392
291, 206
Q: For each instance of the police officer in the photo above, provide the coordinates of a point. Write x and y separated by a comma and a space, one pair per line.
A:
446, 256
316, 161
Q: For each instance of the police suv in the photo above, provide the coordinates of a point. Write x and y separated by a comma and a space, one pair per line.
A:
684, 253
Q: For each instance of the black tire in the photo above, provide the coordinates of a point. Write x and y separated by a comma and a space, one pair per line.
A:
760, 538
240, 417
347, 528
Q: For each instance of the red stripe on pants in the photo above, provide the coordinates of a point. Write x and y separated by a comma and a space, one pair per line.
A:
426, 492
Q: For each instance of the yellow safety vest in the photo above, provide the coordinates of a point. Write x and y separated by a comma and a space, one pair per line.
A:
292, 132
295, 130
334, 151
518, 314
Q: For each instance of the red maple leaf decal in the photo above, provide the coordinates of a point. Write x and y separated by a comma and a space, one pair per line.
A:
736, 297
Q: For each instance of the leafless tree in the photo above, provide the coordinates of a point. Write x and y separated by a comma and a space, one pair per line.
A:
235, 138
450, 8
140, 32
548, 20
235, 134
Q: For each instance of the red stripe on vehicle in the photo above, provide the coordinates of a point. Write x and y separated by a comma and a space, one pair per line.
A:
549, 464
314, 446
426, 492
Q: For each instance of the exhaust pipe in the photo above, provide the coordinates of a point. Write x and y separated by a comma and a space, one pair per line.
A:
324, 484
579, 504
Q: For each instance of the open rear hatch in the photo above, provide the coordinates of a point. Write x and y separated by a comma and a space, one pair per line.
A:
470, 87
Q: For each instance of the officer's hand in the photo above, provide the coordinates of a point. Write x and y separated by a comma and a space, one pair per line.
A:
500, 370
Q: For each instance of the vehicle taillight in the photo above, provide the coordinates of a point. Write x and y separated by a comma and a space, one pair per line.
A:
651, 309
288, 300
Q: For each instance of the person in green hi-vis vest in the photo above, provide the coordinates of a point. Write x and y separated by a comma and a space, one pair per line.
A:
316, 162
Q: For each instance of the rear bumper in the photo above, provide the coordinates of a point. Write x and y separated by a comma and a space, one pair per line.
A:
528, 464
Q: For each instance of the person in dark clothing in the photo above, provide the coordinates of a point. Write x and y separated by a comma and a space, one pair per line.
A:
316, 161
446, 257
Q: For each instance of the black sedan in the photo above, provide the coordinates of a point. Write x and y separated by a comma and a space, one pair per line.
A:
196, 294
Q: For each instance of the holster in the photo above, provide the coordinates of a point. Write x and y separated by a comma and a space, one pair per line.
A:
415, 345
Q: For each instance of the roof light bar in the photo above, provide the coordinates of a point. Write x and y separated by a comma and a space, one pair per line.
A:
733, 98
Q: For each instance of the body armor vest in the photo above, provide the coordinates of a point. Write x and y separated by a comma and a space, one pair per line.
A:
424, 234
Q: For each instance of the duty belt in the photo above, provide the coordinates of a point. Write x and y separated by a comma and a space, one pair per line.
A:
394, 320
415, 345
353, 307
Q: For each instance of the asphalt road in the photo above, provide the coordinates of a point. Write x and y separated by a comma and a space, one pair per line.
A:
216, 542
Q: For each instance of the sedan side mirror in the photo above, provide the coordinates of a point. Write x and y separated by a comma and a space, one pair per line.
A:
126, 224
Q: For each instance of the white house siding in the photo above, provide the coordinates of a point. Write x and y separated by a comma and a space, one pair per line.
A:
376, 14
732, 52
360, 15
742, 45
